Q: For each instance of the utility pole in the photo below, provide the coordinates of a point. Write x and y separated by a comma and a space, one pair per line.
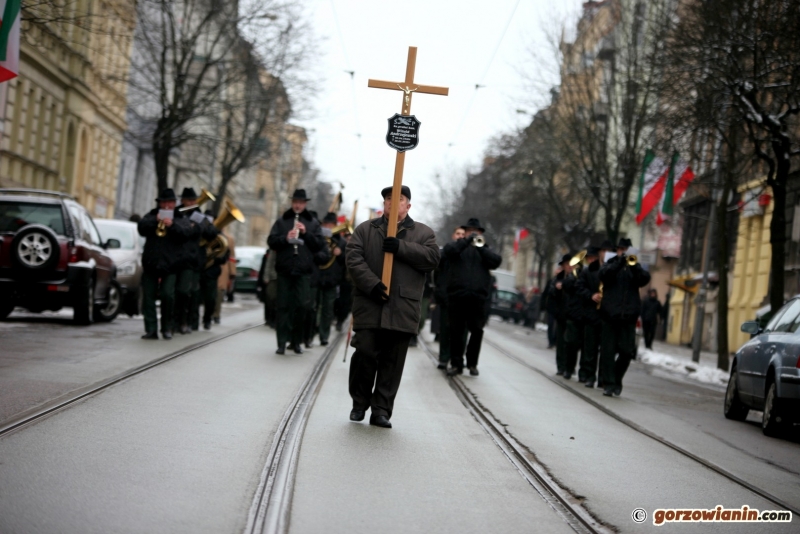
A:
700, 299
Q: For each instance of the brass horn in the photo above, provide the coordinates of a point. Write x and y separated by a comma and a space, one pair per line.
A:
217, 247
204, 197
632, 260
577, 258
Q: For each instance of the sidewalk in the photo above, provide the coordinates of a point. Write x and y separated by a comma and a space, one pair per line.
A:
678, 359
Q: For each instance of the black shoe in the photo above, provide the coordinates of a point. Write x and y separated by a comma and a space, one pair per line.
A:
567, 376
380, 420
589, 383
150, 335
455, 371
413, 341
617, 390
473, 371
166, 335
559, 373
297, 349
207, 325
323, 343
608, 392
195, 328
357, 415
281, 350
442, 366
338, 327
184, 329
216, 320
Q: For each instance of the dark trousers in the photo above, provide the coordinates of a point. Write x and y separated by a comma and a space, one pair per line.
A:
445, 330
294, 300
552, 340
310, 317
466, 315
649, 329
378, 360
271, 303
590, 352
150, 291
569, 341
424, 308
187, 298
344, 303
325, 299
617, 338
208, 294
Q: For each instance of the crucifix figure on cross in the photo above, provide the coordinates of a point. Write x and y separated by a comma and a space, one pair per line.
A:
405, 87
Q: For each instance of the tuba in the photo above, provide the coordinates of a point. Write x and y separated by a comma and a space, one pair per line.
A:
576, 262
217, 247
332, 244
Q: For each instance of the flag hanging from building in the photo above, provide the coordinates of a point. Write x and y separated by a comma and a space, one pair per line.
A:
674, 190
651, 185
9, 39
520, 234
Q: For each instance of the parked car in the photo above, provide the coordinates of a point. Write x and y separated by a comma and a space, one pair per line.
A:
128, 258
507, 304
248, 262
765, 374
52, 256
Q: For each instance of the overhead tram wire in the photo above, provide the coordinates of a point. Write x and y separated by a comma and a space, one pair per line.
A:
352, 74
480, 84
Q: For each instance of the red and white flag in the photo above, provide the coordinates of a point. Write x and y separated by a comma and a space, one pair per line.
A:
521, 234
651, 185
680, 176
9, 39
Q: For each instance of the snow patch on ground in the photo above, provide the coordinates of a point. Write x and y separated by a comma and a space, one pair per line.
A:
541, 327
705, 374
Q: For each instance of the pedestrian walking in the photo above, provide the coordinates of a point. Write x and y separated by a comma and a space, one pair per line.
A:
440, 297
294, 239
575, 319
588, 290
622, 277
344, 302
164, 236
384, 323
469, 287
550, 304
558, 301
331, 274
192, 262
651, 311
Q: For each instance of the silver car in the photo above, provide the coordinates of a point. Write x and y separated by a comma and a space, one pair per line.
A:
128, 258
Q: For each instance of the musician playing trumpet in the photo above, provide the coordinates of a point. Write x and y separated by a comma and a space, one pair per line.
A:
622, 276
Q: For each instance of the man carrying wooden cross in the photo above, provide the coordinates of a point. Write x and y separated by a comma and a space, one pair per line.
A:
384, 323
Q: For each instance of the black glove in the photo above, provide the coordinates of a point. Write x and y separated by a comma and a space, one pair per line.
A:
378, 293
470, 238
391, 244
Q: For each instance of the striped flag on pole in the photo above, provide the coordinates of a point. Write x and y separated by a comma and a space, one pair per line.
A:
520, 234
651, 185
674, 189
9, 39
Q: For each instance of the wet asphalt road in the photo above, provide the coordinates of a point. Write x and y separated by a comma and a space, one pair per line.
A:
180, 447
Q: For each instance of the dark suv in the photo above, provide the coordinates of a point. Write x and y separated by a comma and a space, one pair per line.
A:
51, 257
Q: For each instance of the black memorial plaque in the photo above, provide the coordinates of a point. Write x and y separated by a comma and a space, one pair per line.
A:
403, 132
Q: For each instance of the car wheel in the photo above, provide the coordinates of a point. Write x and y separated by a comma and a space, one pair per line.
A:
772, 423
84, 305
35, 249
110, 311
734, 409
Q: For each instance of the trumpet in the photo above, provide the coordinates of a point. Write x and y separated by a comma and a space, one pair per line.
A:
600, 290
161, 231
478, 240
204, 197
632, 260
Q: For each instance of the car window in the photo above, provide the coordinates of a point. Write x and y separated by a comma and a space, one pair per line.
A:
506, 295
91, 229
77, 220
14, 215
788, 318
126, 235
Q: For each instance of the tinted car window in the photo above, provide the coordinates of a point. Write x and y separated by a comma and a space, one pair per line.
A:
787, 321
93, 236
15, 215
77, 220
125, 235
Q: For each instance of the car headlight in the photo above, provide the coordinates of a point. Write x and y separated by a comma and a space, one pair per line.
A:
127, 269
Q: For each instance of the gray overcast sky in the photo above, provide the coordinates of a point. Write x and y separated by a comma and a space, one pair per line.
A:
456, 41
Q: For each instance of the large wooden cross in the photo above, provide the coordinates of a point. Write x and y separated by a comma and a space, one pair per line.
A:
408, 87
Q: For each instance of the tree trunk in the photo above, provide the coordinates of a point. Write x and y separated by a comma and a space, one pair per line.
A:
221, 191
777, 229
722, 268
161, 153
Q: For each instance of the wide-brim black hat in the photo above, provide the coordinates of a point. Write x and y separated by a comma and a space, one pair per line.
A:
300, 194
166, 194
473, 223
624, 242
565, 259
607, 245
330, 218
592, 251
189, 193
404, 190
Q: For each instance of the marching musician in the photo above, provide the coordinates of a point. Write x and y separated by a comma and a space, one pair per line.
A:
588, 290
165, 236
212, 269
187, 286
622, 276
440, 297
575, 320
384, 322
331, 274
469, 288
294, 239
557, 301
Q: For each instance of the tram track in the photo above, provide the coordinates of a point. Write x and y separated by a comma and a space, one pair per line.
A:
271, 507
638, 428
34, 415
563, 503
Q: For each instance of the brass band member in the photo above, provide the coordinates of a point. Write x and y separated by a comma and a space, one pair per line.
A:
587, 288
622, 277
330, 276
384, 323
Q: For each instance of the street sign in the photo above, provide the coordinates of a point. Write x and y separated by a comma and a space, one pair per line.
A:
403, 133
